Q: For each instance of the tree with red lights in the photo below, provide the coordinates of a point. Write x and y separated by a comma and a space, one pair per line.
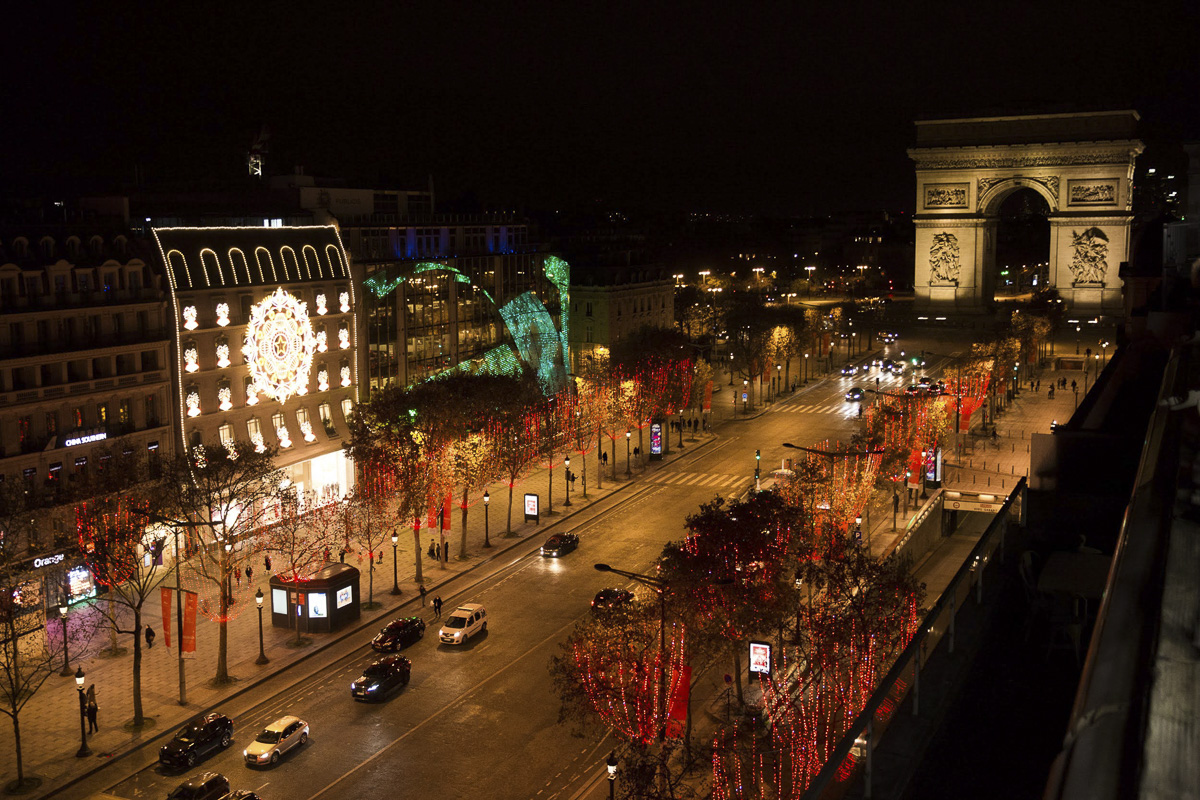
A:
302, 534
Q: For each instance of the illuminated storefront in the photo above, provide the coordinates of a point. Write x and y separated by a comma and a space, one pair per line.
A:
266, 338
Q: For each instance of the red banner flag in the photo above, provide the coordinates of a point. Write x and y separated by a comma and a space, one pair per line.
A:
187, 638
166, 615
446, 513
677, 716
708, 396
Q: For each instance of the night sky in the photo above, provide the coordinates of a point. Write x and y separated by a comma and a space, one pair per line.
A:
736, 107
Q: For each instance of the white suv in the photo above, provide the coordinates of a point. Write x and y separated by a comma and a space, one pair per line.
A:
463, 623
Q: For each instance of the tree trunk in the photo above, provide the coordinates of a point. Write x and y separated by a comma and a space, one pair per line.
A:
462, 538
417, 550
508, 530
613, 454
17, 745
641, 459
370, 577
550, 486
736, 652
222, 675
138, 720
114, 646
599, 464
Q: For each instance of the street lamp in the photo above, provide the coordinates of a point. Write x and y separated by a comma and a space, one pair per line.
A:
858, 530
809, 269
680, 429
62, 615
731, 369
566, 480
745, 395
611, 764
486, 499
84, 751
228, 574
258, 598
778, 380
628, 434
806, 368
395, 581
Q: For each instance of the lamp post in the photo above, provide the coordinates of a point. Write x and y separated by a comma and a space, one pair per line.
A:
858, 530
628, 471
806, 368
680, 429
62, 615
258, 598
731, 369
1076, 340
566, 481
611, 764
1104, 344
778, 380
228, 574
809, 269
745, 395
395, 580
84, 751
486, 499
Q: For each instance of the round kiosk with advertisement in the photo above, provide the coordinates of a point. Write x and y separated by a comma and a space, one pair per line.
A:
323, 602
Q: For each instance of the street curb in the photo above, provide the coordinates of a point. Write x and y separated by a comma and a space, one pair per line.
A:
260, 679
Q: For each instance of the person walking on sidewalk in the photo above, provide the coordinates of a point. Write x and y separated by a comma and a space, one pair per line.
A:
423, 593
149, 637
92, 708
432, 549
249, 573
437, 606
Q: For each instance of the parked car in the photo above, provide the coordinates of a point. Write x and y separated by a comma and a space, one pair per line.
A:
560, 544
399, 633
197, 739
463, 623
610, 598
855, 395
849, 370
381, 678
281, 736
204, 786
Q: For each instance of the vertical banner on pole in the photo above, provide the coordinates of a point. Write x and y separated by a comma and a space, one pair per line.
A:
187, 637
677, 716
708, 387
166, 615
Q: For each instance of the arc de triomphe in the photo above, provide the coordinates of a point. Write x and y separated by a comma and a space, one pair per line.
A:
1081, 164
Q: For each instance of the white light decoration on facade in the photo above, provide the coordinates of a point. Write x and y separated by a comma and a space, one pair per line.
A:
321, 304
259, 445
344, 302
222, 314
322, 346
231, 448
191, 357
193, 402
284, 439
345, 375
306, 429
344, 337
279, 345
223, 354
226, 397
322, 378
199, 457
251, 396
189, 318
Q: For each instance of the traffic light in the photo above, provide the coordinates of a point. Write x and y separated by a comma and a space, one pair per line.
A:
757, 461
758, 455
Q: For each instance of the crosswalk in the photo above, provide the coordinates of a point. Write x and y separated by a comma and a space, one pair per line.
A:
839, 407
709, 480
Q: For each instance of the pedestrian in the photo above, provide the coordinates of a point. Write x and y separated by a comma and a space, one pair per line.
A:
237, 573
432, 549
249, 573
437, 551
1074, 386
423, 593
995, 434
92, 708
149, 637
604, 457
1050, 393
437, 606
637, 451
1039, 386
267, 563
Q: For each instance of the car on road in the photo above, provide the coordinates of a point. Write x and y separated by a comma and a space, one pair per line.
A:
887, 337
913, 389
855, 395
381, 677
281, 736
877, 362
849, 369
898, 368
197, 739
560, 544
464, 622
611, 598
399, 633
925, 381
203, 786
241, 794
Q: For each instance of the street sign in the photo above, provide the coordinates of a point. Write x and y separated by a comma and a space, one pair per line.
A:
745, 396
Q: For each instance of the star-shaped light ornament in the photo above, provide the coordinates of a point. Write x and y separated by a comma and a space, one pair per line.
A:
279, 346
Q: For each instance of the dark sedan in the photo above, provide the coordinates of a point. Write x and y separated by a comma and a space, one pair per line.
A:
560, 544
382, 677
610, 598
399, 633
855, 395
196, 740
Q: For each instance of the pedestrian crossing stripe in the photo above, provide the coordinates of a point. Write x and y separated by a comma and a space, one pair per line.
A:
832, 408
708, 479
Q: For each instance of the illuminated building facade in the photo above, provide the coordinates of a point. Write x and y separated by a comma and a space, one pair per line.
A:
610, 302
265, 337
470, 296
84, 345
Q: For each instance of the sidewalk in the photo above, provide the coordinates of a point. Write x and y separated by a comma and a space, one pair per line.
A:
50, 720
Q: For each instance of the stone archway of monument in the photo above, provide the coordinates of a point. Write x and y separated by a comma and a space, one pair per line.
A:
999, 189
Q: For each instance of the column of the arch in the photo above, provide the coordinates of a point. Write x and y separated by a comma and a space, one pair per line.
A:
1089, 299
967, 294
